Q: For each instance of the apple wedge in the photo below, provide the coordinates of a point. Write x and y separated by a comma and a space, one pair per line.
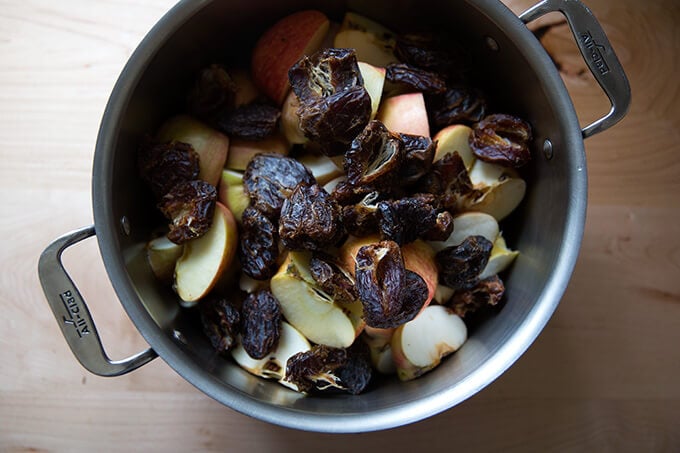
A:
274, 365
419, 345
290, 121
210, 145
405, 113
309, 309
281, 46
501, 258
378, 342
504, 189
455, 138
162, 255
205, 259
469, 224
232, 194
443, 293
322, 167
373, 43
241, 151
374, 81
418, 257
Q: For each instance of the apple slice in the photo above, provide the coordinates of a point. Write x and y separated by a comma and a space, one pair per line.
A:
162, 255
503, 189
418, 257
501, 258
405, 113
419, 345
373, 42
455, 138
374, 81
210, 145
242, 151
290, 121
380, 350
273, 366
309, 309
281, 46
232, 194
469, 224
443, 293
205, 259
322, 167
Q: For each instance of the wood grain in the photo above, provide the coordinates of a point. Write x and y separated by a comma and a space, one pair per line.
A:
602, 376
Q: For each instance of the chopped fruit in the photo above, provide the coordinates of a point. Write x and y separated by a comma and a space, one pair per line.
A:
406, 114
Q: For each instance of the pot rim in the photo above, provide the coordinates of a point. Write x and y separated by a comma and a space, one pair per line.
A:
523, 336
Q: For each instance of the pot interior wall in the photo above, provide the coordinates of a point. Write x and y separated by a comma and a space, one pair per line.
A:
538, 229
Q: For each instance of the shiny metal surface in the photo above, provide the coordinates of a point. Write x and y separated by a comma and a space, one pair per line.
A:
547, 228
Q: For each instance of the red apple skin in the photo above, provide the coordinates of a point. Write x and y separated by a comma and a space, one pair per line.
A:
281, 46
418, 257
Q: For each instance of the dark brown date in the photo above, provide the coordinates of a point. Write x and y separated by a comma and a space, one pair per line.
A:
375, 157
459, 266
332, 278
261, 325
502, 139
407, 219
213, 93
190, 205
258, 244
487, 292
414, 79
419, 152
254, 121
221, 322
457, 105
164, 165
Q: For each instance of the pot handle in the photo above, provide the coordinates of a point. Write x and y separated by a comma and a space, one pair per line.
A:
597, 53
73, 315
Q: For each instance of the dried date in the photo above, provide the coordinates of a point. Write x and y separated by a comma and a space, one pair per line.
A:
457, 105
269, 178
190, 205
261, 326
164, 165
487, 292
390, 294
332, 278
334, 105
361, 219
310, 219
258, 244
449, 179
221, 322
502, 139
419, 152
459, 266
414, 79
432, 52
407, 219
213, 93
375, 157
254, 121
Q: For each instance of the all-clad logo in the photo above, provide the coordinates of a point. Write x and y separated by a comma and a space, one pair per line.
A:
74, 319
595, 51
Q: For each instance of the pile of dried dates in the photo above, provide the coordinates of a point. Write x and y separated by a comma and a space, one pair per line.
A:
333, 210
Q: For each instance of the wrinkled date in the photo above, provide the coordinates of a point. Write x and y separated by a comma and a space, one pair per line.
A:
457, 105
332, 278
213, 93
390, 294
419, 152
502, 139
450, 181
269, 178
164, 165
190, 205
427, 51
254, 121
414, 78
334, 105
375, 157
406, 219
261, 328
459, 266
258, 245
221, 321
487, 292
310, 219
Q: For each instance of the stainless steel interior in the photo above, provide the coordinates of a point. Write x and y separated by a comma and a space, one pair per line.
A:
547, 229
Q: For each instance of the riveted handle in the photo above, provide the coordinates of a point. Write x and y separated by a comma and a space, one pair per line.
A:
597, 53
72, 313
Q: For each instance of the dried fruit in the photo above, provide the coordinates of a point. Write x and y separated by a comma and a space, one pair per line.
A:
374, 157
213, 93
269, 178
259, 244
431, 52
334, 105
391, 295
332, 278
261, 327
323, 367
414, 78
502, 139
361, 219
457, 105
450, 181
408, 219
221, 321
418, 154
164, 165
460, 265
254, 121
190, 205
487, 292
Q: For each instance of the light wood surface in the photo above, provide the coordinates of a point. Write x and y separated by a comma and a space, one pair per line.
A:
603, 376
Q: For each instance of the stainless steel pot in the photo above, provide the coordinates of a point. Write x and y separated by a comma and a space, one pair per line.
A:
547, 228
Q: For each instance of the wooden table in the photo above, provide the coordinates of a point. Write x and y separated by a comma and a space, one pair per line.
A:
604, 374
